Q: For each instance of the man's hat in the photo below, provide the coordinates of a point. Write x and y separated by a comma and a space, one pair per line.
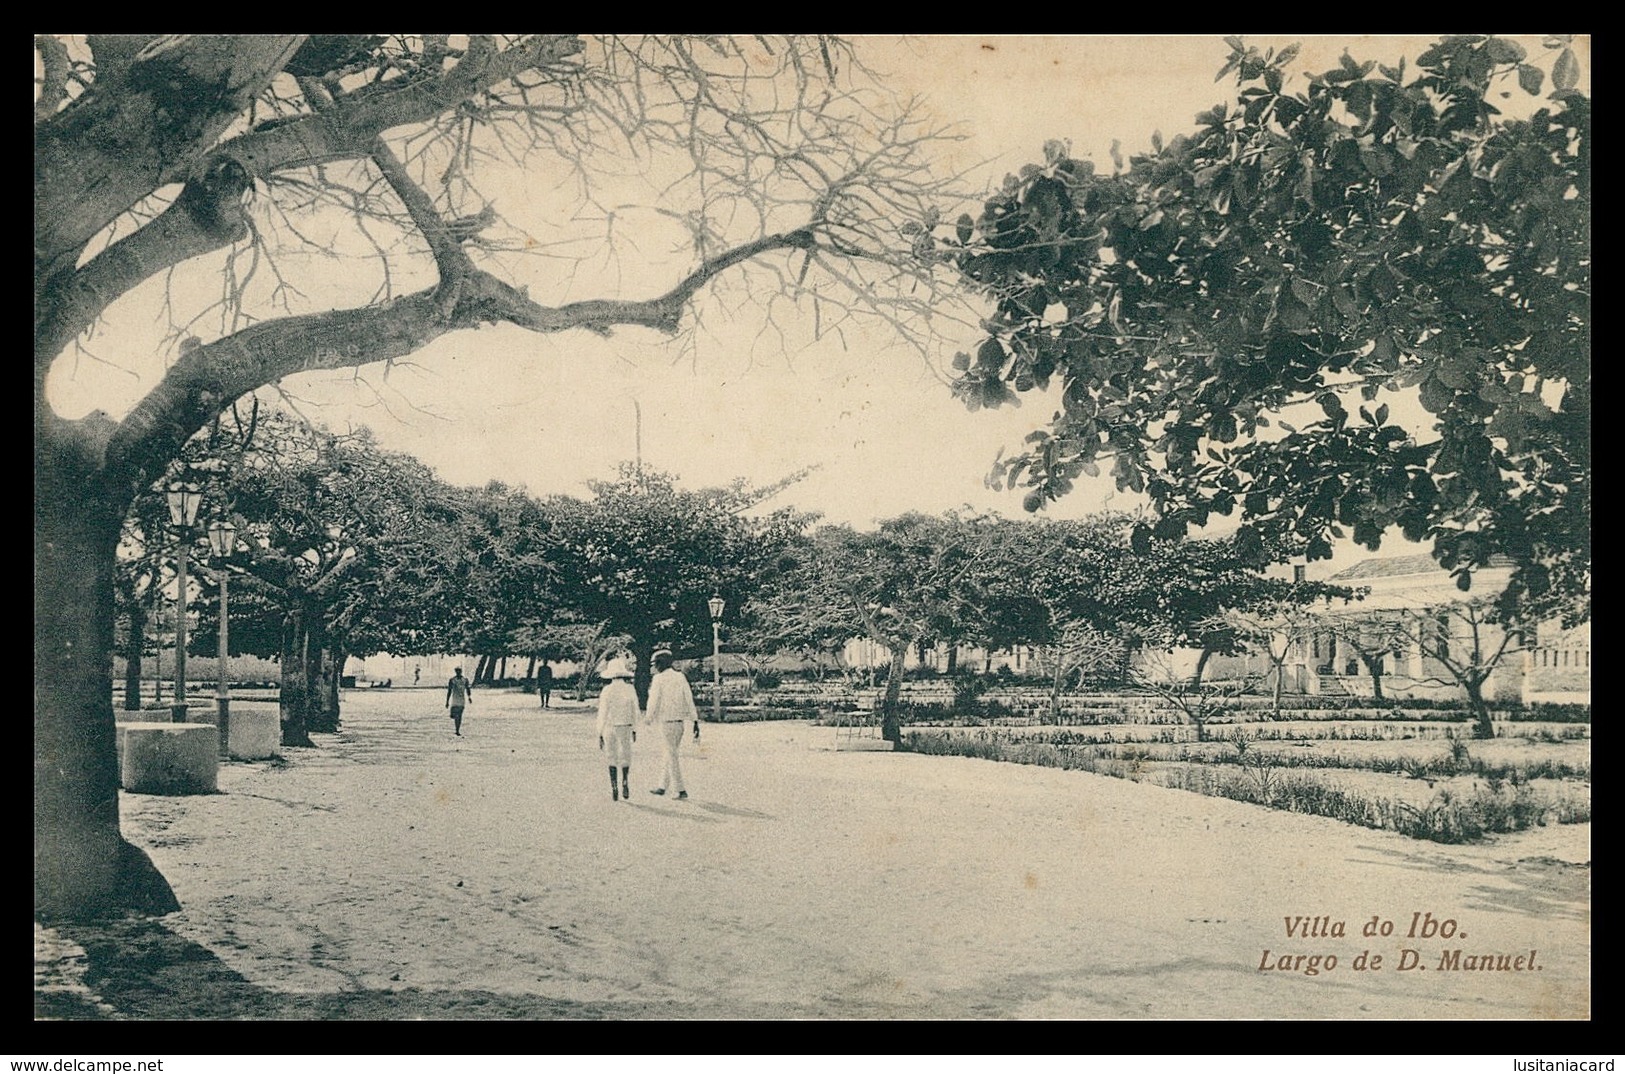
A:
662, 650
617, 669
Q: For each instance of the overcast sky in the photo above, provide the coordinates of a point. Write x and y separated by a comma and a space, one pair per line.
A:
740, 399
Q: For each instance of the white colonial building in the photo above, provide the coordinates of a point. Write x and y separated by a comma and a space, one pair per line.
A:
1414, 623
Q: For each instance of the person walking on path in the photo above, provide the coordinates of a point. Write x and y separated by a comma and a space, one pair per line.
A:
459, 694
671, 705
617, 717
544, 683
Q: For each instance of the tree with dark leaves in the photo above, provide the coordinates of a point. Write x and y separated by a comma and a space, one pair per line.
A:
1382, 236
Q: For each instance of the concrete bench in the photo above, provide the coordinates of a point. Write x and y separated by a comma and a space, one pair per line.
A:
255, 734
252, 734
169, 758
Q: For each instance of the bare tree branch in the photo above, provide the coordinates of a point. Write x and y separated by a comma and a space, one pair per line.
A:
94, 161
207, 216
206, 379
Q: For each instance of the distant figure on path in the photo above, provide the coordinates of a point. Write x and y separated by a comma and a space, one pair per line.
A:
417, 673
544, 682
671, 705
617, 713
459, 693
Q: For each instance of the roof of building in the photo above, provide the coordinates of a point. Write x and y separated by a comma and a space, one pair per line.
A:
1400, 567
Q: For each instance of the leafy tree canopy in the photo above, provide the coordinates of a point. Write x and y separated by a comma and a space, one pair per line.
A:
644, 556
1385, 233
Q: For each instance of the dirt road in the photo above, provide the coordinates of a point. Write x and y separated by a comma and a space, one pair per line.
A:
400, 872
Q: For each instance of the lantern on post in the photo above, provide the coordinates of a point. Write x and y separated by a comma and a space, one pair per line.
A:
222, 542
717, 605
182, 498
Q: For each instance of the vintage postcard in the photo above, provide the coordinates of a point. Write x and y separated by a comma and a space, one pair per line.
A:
800, 527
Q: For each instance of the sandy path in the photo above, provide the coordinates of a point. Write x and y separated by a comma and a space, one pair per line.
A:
397, 860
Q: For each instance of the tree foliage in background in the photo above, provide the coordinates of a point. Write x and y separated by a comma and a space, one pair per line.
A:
1174, 593
643, 556
1067, 587
782, 619
346, 551
1383, 231
504, 574
910, 580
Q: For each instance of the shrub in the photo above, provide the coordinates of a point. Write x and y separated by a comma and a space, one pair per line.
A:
1566, 734
755, 714
968, 689
1449, 817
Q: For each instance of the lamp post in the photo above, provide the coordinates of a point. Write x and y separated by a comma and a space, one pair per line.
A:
222, 542
182, 499
716, 605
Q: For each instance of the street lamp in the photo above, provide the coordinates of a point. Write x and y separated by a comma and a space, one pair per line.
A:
182, 498
716, 605
222, 542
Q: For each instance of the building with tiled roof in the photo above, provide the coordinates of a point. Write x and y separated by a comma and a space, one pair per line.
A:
1414, 621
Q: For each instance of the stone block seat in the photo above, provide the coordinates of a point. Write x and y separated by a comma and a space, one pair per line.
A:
254, 731
169, 758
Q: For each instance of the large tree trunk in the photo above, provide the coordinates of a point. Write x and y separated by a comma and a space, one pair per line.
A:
891, 727
156, 618
83, 868
1280, 684
1201, 666
340, 658
1374, 666
292, 699
135, 644
1483, 727
643, 650
953, 659
322, 691
1055, 690
310, 674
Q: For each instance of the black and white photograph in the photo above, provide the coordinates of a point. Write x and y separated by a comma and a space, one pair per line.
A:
812, 527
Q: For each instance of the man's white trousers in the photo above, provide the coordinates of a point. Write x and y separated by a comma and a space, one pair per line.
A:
672, 780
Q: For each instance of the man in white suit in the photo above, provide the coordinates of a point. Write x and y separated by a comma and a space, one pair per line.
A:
617, 713
671, 705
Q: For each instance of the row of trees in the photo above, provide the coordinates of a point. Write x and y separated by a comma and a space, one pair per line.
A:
349, 550
1083, 593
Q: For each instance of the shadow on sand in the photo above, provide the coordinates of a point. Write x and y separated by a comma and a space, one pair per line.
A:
138, 969
1535, 886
